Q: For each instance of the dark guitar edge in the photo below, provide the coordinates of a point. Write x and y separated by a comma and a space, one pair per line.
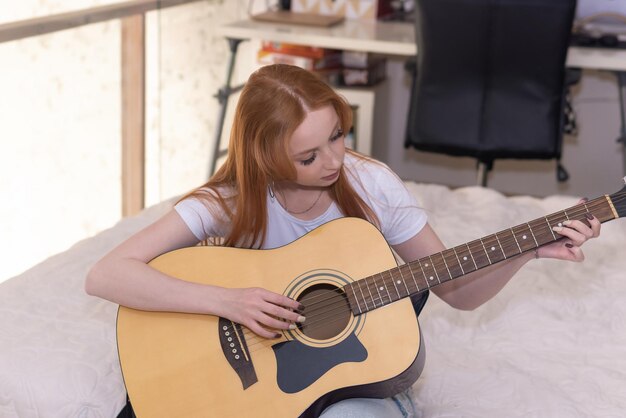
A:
379, 390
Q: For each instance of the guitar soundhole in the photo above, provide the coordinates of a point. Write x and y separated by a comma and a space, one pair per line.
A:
326, 310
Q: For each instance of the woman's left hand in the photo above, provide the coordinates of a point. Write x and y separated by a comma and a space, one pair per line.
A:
575, 234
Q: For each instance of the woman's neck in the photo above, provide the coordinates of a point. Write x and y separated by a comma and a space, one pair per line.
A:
302, 202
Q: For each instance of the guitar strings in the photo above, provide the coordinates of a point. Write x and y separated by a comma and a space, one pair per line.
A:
337, 303
322, 320
261, 343
318, 320
505, 241
311, 315
314, 320
255, 339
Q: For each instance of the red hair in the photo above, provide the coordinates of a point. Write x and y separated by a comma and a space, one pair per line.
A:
272, 104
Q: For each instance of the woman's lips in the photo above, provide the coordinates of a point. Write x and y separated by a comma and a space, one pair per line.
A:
332, 176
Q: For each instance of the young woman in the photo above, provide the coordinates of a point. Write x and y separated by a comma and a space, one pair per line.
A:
288, 172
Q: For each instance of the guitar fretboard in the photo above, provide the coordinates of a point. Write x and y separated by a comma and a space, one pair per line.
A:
420, 275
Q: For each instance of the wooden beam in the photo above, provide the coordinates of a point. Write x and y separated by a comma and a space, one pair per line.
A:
53, 23
133, 114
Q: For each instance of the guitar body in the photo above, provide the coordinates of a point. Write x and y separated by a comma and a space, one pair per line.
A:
185, 365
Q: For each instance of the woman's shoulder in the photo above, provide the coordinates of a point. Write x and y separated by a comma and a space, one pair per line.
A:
204, 213
210, 194
368, 169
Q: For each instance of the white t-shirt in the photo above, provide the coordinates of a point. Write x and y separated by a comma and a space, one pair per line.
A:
399, 215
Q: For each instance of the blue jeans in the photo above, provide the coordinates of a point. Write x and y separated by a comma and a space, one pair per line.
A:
398, 406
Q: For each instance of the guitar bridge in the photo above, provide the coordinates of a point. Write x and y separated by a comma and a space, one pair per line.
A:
236, 351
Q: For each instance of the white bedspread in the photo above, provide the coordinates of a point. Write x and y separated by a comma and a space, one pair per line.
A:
551, 344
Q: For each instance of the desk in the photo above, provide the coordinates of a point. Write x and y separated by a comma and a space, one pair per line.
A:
388, 38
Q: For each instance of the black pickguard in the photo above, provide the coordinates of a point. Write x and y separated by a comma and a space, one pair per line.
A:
299, 365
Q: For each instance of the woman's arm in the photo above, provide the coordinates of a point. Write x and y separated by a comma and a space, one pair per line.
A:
124, 277
478, 287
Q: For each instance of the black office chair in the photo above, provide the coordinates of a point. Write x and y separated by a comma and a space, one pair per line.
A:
490, 79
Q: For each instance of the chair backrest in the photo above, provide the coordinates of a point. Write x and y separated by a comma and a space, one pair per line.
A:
490, 77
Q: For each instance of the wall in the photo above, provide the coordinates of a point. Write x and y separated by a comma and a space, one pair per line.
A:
60, 121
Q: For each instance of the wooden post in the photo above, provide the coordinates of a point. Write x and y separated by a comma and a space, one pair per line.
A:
133, 114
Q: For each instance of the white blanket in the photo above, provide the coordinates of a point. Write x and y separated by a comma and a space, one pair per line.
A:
550, 344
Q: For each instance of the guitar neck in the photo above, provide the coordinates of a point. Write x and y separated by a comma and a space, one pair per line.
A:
420, 275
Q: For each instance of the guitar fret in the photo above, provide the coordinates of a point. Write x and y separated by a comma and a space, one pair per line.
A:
408, 292
440, 269
427, 278
434, 269
377, 278
414, 280
467, 262
452, 262
395, 287
363, 295
380, 296
570, 218
532, 233
459, 260
510, 245
446, 264
370, 292
386, 288
408, 273
523, 233
471, 255
481, 255
543, 235
375, 294
485, 248
356, 299
413, 276
550, 227
500, 245
516, 241
559, 219
426, 284
493, 245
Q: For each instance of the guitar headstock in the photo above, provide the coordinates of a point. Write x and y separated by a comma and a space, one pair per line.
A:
619, 201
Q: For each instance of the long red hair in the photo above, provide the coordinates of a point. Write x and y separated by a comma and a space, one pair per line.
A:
272, 104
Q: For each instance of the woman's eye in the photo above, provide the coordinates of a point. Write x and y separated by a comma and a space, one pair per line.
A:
308, 160
338, 135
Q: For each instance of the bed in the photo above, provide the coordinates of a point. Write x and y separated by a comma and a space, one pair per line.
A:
551, 344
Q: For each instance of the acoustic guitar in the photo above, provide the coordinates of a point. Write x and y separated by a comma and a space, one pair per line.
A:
360, 339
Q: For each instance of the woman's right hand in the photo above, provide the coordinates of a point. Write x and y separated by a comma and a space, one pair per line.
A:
262, 311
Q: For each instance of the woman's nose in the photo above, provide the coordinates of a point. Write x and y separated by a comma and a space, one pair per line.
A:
333, 158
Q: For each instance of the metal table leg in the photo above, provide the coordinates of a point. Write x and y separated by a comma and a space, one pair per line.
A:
222, 96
